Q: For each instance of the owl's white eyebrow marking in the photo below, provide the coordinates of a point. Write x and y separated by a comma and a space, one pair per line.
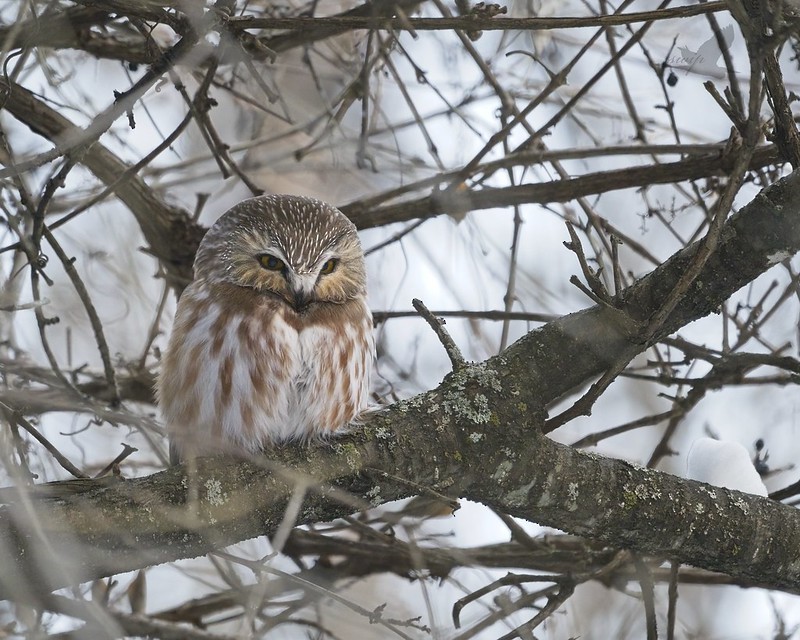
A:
304, 229
298, 230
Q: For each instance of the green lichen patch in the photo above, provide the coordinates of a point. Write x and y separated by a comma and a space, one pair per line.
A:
351, 454
572, 496
374, 496
502, 471
460, 403
384, 433
475, 374
215, 496
473, 409
518, 497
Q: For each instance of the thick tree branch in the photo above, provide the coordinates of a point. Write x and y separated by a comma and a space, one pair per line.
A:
477, 435
459, 201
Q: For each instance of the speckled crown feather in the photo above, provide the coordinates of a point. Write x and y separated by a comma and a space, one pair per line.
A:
302, 228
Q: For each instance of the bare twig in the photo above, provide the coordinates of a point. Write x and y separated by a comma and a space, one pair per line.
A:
53, 450
126, 451
672, 594
94, 319
494, 315
595, 283
437, 324
648, 597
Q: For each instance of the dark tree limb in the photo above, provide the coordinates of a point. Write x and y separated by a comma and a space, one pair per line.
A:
458, 201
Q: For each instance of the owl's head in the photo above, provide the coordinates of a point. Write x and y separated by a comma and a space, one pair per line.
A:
300, 249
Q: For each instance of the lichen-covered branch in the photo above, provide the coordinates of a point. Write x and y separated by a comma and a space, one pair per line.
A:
476, 435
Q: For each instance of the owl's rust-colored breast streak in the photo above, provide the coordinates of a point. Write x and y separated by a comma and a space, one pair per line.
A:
218, 331
225, 383
344, 357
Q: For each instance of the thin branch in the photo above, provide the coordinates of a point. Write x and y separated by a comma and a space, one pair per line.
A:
336, 24
494, 315
52, 449
94, 319
648, 597
672, 594
437, 324
126, 451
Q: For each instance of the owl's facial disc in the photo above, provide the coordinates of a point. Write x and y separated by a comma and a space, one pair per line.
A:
296, 284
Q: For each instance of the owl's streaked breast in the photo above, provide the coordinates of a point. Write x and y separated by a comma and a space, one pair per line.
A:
256, 374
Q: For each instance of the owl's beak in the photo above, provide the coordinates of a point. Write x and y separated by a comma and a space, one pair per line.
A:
302, 290
300, 300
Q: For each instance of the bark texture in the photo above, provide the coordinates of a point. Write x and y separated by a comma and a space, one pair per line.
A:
477, 435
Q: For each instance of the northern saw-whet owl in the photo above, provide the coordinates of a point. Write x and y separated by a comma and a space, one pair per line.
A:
273, 339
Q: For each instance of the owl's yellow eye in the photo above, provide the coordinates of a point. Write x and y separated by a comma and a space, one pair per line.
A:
271, 262
328, 267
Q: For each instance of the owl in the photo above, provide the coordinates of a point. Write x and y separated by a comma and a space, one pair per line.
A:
272, 340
